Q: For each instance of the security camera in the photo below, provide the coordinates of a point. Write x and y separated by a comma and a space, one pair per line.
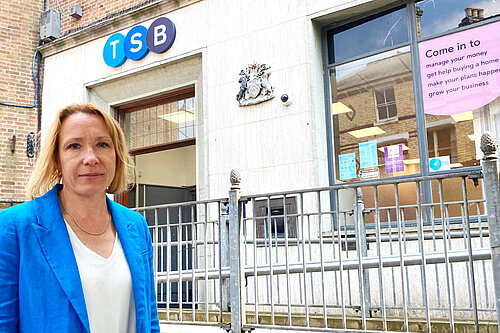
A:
286, 99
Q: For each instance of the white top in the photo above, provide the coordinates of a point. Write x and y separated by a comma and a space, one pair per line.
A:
107, 287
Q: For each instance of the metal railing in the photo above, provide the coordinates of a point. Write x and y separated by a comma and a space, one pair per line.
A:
432, 267
9, 202
358, 256
187, 258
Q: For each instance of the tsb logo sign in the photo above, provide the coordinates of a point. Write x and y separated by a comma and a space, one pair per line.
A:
139, 41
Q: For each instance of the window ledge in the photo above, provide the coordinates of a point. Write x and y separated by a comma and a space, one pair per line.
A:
386, 121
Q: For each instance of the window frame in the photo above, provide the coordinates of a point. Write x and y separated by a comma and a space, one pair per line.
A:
168, 97
413, 43
421, 129
385, 104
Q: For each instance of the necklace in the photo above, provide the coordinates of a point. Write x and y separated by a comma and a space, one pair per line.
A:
83, 229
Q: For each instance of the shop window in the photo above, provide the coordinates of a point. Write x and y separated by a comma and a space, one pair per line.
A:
376, 135
365, 78
385, 102
275, 227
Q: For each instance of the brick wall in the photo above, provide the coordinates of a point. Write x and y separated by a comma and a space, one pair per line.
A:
93, 10
19, 34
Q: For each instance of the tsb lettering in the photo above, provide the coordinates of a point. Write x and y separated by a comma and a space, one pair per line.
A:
158, 38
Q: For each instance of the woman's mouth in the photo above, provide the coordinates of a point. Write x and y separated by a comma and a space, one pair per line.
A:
91, 175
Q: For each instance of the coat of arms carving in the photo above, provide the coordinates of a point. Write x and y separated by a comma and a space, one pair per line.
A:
255, 87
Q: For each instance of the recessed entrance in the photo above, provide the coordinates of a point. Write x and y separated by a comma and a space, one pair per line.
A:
161, 135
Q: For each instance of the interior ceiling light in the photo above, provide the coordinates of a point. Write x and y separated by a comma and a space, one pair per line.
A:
412, 161
370, 131
456, 165
339, 108
404, 147
178, 117
462, 116
471, 137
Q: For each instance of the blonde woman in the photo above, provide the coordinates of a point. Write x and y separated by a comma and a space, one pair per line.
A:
71, 260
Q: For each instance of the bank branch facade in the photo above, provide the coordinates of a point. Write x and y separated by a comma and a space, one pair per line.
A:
293, 94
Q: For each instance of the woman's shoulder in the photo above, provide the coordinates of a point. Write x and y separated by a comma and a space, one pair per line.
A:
19, 215
24, 209
120, 209
129, 216
31, 211
127, 213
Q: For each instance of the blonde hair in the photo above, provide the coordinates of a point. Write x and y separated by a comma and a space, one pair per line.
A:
46, 174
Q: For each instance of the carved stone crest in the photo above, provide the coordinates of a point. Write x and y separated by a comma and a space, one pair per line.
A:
255, 87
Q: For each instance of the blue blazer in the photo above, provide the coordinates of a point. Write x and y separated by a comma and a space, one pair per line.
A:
40, 287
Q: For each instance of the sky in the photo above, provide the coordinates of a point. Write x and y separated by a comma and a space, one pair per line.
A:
443, 15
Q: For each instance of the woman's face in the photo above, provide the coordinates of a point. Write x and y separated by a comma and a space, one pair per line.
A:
86, 155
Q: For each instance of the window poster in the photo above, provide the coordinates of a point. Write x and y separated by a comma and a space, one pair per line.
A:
368, 154
393, 156
461, 71
439, 163
347, 166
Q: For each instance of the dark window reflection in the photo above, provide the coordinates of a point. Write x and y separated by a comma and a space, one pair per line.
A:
438, 16
368, 35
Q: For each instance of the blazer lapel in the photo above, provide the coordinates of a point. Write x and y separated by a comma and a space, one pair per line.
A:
131, 239
56, 246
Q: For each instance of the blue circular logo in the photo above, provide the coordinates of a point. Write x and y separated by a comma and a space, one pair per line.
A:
135, 46
435, 164
113, 52
158, 38
161, 35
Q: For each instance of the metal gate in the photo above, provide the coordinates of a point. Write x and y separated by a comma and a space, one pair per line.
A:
371, 256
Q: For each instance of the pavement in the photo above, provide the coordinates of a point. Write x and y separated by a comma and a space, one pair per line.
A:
177, 328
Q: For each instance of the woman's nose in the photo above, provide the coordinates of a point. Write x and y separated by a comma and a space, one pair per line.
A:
90, 157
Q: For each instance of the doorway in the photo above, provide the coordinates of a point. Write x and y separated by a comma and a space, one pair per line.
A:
161, 136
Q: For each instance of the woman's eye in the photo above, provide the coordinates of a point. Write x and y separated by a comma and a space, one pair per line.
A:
103, 144
74, 146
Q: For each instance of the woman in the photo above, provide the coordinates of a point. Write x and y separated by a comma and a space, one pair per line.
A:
71, 260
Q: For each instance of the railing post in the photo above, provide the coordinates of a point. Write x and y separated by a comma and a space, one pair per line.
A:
360, 207
224, 260
237, 294
492, 193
